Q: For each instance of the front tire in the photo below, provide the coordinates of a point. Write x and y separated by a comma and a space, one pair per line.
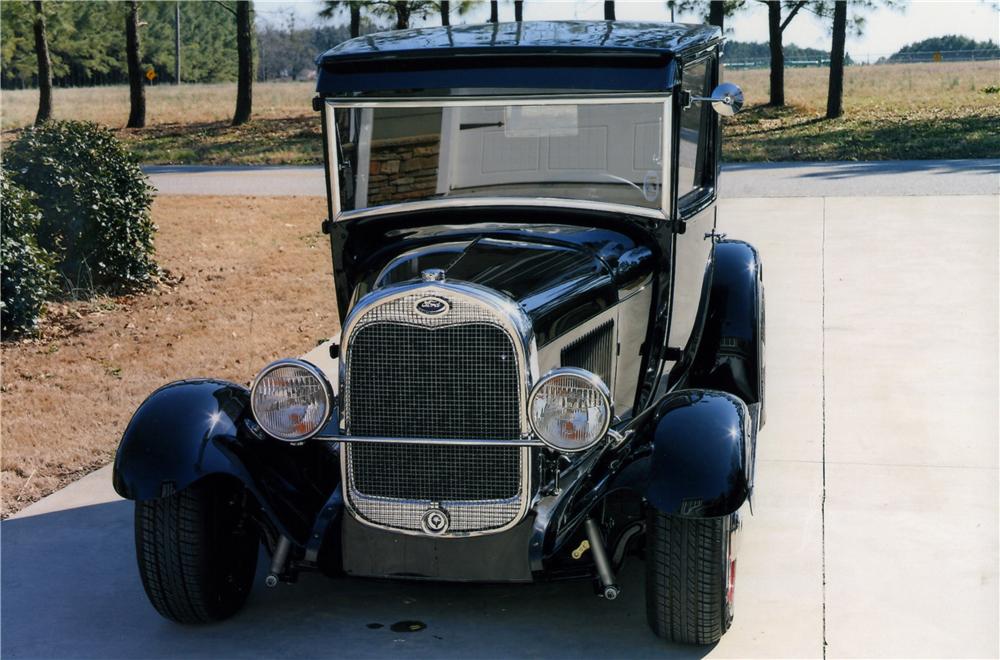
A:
689, 578
197, 555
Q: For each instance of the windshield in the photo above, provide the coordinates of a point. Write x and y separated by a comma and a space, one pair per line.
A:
601, 152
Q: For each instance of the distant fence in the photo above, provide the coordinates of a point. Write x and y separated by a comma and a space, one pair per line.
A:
875, 58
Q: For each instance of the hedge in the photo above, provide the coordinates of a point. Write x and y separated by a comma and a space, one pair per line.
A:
94, 201
25, 269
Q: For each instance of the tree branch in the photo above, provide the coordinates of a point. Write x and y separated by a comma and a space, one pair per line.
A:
226, 7
788, 19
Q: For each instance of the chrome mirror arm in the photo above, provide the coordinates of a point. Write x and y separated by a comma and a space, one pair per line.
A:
726, 99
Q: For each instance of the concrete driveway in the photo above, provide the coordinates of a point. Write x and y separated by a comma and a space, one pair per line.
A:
839, 179
876, 518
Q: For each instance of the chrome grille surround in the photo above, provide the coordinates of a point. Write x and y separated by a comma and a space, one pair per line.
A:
391, 485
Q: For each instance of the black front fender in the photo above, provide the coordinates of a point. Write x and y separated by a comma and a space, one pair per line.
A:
696, 456
178, 436
192, 429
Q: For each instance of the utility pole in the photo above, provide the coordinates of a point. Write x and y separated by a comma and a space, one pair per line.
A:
177, 43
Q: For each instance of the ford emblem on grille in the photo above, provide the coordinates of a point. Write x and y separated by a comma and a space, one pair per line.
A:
432, 306
435, 521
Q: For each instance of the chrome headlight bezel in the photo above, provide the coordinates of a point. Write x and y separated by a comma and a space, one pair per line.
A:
314, 372
590, 379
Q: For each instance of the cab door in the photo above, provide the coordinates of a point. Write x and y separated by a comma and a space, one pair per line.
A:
697, 168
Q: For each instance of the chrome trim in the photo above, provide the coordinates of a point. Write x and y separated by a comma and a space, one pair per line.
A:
666, 158
497, 100
518, 327
513, 442
333, 149
512, 318
593, 379
475, 202
316, 373
332, 161
526, 501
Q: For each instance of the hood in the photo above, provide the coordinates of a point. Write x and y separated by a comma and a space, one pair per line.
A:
558, 283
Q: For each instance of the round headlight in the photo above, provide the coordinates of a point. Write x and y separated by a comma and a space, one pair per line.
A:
570, 409
290, 400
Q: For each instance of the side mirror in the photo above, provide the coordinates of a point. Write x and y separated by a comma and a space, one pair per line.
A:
726, 99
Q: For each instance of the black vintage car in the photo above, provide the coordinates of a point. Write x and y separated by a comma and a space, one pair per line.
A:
550, 360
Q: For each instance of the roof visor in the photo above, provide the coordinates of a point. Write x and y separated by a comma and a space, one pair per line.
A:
539, 57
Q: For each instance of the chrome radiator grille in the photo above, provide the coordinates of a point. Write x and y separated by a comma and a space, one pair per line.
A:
453, 375
451, 382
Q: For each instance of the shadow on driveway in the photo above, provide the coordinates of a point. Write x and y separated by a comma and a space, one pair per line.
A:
71, 589
849, 169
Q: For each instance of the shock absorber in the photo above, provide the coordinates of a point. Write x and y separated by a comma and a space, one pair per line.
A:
604, 573
278, 562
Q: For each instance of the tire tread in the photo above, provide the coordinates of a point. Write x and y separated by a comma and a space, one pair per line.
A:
180, 556
685, 578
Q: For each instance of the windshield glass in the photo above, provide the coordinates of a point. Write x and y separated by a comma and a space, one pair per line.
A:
603, 152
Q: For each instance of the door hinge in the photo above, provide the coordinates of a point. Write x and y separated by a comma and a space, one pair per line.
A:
673, 354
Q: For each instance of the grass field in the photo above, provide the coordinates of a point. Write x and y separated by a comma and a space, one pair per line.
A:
891, 112
249, 281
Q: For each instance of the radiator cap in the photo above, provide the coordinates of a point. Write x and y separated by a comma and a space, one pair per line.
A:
432, 275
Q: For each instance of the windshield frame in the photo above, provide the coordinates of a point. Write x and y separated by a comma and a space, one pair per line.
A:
331, 104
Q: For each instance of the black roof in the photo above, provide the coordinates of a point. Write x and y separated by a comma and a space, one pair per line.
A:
580, 54
562, 37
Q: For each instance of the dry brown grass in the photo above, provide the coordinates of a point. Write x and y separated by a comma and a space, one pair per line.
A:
165, 104
896, 87
249, 281
891, 111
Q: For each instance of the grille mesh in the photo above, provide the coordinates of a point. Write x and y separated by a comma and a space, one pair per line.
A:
451, 382
435, 472
454, 375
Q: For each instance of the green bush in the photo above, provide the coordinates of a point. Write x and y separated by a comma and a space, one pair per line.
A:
94, 200
25, 268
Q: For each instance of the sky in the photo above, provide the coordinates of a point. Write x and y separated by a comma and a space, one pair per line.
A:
885, 32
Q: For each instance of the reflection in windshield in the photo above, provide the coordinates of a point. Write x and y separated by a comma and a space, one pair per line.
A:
597, 152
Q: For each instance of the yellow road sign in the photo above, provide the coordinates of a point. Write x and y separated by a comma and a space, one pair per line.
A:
151, 75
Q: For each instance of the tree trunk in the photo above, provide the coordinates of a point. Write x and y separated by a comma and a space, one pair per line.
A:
777, 53
402, 8
717, 14
835, 95
244, 47
518, 10
445, 12
136, 90
494, 11
44, 67
355, 19
609, 10
177, 43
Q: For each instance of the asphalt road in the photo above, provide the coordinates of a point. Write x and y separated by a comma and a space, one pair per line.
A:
832, 179
875, 530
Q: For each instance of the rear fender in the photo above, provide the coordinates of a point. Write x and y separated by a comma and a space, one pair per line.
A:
730, 354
